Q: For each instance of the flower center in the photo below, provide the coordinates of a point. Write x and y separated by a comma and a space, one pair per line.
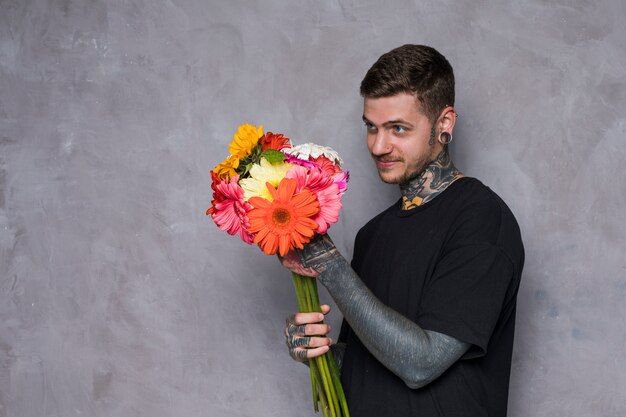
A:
281, 217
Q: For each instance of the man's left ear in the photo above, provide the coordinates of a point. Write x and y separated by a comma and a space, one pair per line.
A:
447, 119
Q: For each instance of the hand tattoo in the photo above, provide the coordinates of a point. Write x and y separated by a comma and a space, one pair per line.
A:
296, 340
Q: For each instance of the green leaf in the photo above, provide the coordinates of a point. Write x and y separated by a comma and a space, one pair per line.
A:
273, 156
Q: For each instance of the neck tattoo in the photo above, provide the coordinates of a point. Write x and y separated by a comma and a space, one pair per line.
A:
437, 176
431, 140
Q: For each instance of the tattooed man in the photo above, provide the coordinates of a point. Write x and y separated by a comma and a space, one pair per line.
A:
429, 297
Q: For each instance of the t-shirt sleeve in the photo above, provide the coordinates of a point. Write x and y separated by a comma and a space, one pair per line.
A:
466, 294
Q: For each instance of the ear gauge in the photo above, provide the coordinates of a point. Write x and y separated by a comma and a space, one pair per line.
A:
447, 136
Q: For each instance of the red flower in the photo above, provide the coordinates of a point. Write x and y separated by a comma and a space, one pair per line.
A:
274, 141
327, 165
217, 197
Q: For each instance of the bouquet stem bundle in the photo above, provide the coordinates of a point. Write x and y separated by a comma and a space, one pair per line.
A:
325, 382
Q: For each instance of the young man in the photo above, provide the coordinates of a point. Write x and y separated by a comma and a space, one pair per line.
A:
429, 298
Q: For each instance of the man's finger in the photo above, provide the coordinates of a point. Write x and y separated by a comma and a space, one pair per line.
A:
298, 342
302, 354
312, 353
292, 330
316, 329
308, 342
305, 318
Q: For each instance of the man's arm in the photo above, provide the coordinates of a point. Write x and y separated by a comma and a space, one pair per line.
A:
415, 355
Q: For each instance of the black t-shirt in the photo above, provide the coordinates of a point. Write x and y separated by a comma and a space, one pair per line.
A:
453, 266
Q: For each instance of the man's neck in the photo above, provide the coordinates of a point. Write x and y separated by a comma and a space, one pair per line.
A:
437, 176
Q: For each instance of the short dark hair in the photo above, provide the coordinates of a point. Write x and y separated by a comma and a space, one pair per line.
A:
416, 69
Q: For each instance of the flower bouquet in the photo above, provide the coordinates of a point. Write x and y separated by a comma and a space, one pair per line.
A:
279, 196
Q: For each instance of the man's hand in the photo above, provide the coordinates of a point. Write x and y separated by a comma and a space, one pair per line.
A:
306, 335
314, 259
292, 262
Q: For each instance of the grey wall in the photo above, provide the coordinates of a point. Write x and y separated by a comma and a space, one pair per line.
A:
118, 297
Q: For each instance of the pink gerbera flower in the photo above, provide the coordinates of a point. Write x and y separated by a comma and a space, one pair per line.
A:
326, 190
334, 170
305, 163
341, 179
229, 211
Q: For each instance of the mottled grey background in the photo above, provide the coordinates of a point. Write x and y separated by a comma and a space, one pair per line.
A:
118, 297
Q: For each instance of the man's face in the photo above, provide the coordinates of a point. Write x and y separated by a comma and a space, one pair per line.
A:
397, 137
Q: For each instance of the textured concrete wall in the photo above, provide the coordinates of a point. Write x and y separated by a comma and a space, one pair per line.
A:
118, 297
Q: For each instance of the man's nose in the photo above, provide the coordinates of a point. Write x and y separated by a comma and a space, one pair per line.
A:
381, 144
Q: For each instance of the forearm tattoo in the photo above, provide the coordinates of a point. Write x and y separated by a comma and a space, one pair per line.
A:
319, 253
416, 355
437, 176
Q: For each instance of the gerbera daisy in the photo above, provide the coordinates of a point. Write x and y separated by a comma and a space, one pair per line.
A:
227, 168
304, 162
311, 151
328, 166
325, 190
274, 141
341, 179
217, 197
284, 223
262, 173
246, 138
229, 211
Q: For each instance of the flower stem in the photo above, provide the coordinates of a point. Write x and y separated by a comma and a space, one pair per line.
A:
314, 388
314, 303
322, 396
326, 385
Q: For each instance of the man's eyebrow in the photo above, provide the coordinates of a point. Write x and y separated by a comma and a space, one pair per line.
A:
397, 122
390, 122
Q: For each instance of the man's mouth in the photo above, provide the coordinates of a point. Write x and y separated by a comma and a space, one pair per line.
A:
386, 162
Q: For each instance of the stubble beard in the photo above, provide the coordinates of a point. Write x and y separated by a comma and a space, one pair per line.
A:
414, 171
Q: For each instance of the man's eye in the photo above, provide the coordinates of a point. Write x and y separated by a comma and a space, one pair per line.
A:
369, 126
399, 129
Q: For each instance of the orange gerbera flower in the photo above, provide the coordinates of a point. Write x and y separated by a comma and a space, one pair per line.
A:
284, 223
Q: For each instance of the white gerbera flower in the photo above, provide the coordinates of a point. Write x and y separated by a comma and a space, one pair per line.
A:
308, 151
